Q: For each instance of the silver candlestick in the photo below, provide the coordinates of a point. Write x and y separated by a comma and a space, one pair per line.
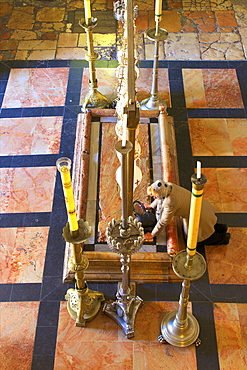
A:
153, 102
124, 237
180, 328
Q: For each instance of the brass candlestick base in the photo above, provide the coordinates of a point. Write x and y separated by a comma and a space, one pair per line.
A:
94, 99
153, 102
180, 328
83, 303
125, 242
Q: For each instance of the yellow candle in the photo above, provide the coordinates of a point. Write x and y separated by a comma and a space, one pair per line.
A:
87, 8
63, 165
158, 8
194, 220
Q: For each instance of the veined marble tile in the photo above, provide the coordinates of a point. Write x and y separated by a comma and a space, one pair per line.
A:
226, 188
109, 192
194, 88
230, 343
36, 87
17, 327
103, 345
224, 266
27, 189
218, 136
30, 135
212, 88
22, 254
222, 88
107, 83
144, 84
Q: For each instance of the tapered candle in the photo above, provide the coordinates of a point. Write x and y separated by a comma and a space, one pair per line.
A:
63, 166
87, 9
198, 169
124, 134
195, 210
158, 8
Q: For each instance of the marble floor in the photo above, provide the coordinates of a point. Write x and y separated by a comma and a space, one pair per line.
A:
43, 78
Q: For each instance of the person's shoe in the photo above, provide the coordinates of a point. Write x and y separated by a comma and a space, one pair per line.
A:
226, 239
220, 228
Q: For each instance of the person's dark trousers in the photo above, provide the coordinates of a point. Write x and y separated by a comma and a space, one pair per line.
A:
219, 237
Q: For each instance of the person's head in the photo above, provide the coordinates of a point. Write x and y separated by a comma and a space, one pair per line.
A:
158, 189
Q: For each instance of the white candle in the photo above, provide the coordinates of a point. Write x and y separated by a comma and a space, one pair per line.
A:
87, 9
124, 134
198, 169
158, 8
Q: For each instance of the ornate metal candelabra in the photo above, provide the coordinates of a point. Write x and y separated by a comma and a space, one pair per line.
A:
181, 328
83, 303
155, 34
124, 237
94, 99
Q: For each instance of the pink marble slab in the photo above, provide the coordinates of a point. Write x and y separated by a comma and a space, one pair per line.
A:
17, 327
22, 254
225, 261
102, 344
27, 189
230, 323
36, 87
30, 135
226, 188
109, 193
212, 88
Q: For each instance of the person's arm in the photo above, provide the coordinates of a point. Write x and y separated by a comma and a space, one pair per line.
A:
166, 216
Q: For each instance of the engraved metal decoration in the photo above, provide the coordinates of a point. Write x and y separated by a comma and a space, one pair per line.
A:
153, 102
94, 99
83, 303
125, 237
180, 328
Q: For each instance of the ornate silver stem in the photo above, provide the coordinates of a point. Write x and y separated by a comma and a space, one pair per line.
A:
124, 237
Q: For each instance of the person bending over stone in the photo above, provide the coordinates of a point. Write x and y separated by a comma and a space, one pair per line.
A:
174, 200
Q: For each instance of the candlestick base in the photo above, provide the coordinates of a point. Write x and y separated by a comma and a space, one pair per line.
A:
152, 103
83, 304
94, 99
124, 309
179, 336
153, 35
198, 269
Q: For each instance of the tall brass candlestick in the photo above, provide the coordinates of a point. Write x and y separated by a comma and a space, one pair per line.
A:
181, 328
94, 99
83, 303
